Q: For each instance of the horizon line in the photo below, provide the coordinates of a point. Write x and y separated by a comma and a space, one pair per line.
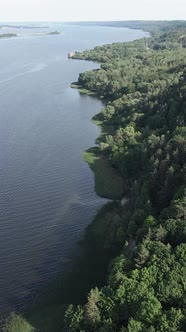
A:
94, 21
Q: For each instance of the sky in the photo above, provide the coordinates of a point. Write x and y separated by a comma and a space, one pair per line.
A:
94, 10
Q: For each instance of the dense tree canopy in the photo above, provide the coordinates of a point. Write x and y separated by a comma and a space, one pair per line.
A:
144, 85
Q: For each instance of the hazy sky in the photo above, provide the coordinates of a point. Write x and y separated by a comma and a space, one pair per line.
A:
76, 10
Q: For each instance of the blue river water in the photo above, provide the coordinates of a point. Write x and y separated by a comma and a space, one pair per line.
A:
47, 195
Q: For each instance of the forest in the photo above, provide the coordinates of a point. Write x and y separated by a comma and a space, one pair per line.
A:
139, 240
144, 86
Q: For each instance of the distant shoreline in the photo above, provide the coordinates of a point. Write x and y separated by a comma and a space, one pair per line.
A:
8, 35
22, 26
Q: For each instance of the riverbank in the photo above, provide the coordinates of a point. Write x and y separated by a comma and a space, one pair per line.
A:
82, 90
108, 181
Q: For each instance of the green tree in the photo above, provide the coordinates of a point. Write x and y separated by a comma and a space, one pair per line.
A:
16, 323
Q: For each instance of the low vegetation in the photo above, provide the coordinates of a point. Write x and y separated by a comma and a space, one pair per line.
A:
8, 35
16, 323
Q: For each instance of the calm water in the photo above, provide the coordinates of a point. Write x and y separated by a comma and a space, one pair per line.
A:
46, 189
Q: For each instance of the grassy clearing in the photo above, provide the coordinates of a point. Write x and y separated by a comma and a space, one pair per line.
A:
74, 85
82, 90
108, 183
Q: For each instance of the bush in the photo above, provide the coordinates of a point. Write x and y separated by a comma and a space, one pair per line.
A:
16, 323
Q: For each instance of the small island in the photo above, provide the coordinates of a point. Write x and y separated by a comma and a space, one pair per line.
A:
53, 33
8, 35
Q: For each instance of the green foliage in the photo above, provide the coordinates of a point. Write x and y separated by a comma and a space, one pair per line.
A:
112, 184
8, 35
74, 318
92, 312
145, 89
16, 323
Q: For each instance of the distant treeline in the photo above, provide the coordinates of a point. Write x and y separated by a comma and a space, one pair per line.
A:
151, 26
8, 35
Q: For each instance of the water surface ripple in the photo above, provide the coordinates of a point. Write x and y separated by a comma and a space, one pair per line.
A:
46, 189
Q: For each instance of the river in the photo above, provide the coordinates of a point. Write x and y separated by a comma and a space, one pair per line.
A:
47, 193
